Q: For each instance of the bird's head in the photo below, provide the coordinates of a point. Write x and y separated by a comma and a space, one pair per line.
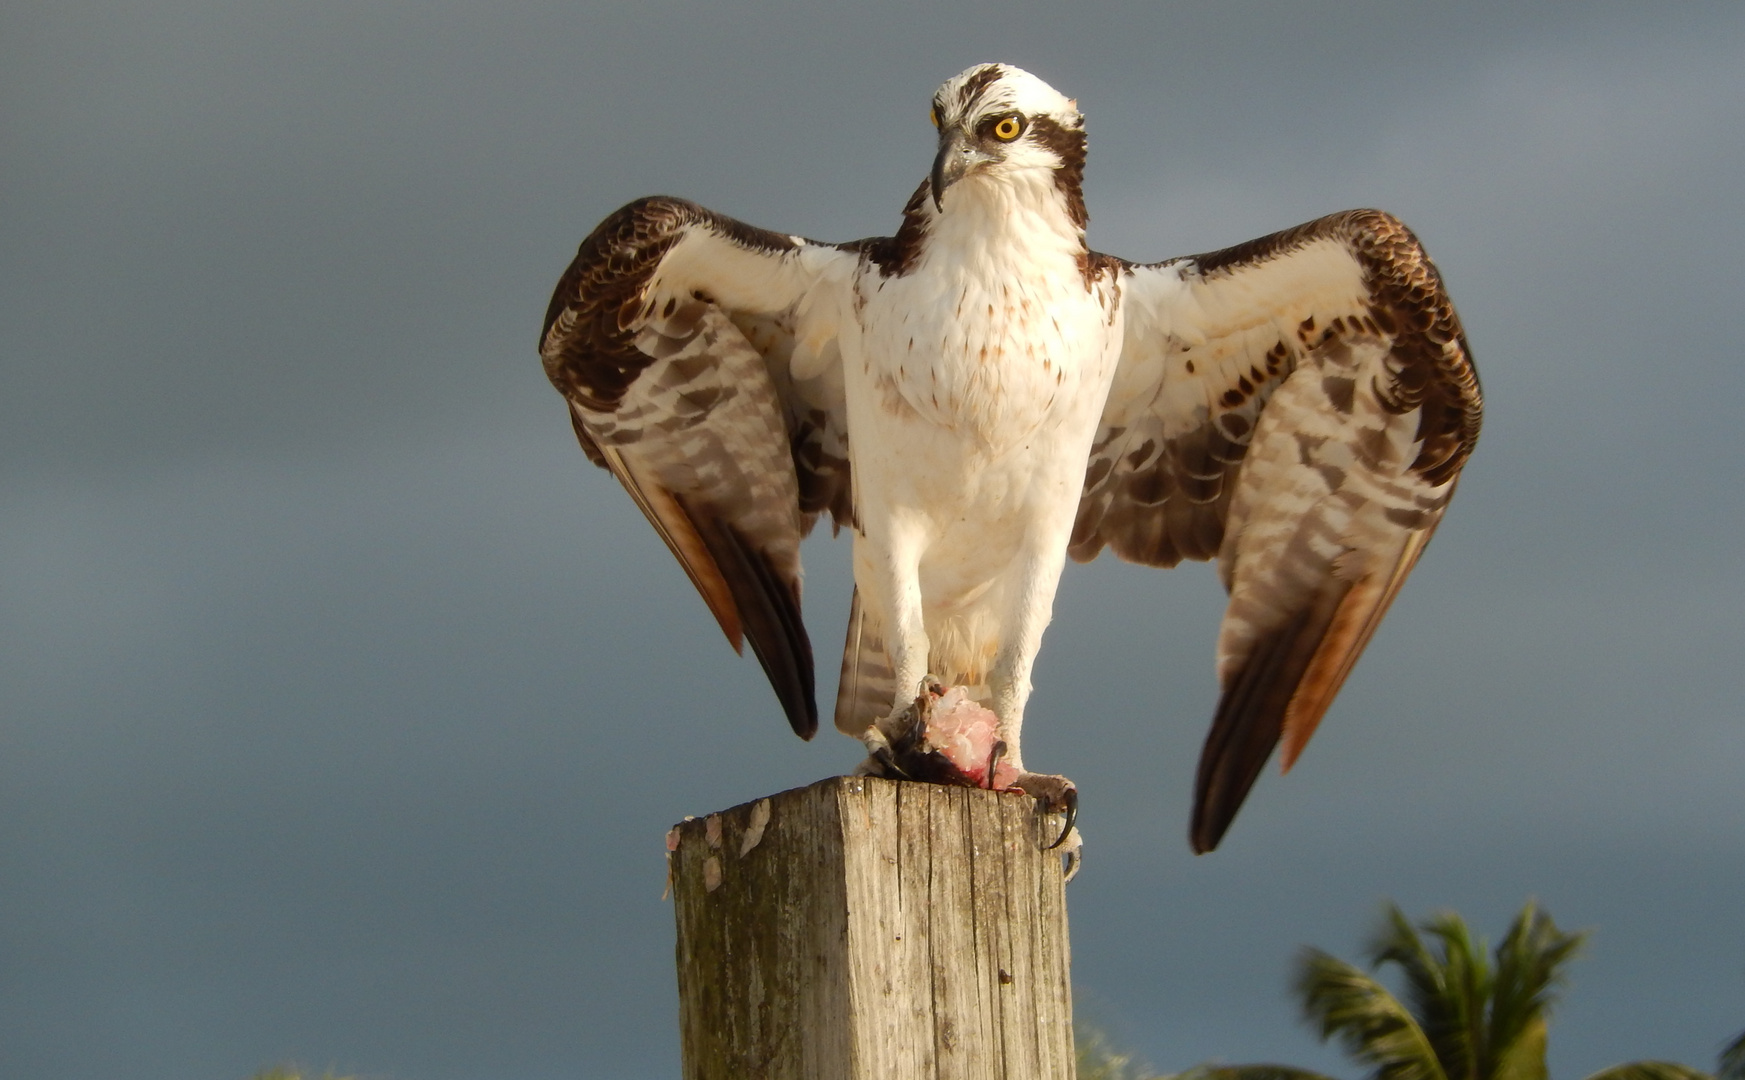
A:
996, 120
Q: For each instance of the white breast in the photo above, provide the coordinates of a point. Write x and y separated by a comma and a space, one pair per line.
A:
992, 333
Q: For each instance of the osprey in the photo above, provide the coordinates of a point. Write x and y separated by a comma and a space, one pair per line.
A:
982, 395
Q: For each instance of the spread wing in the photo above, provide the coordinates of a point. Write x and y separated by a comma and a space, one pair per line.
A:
696, 354
1300, 407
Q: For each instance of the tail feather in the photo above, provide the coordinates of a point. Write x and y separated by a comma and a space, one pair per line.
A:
868, 686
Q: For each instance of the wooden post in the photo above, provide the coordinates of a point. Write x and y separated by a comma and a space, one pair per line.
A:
868, 929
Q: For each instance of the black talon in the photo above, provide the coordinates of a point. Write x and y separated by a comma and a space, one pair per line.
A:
994, 756
888, 762
1071, 797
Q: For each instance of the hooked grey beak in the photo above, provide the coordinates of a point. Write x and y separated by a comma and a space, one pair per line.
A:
957, 155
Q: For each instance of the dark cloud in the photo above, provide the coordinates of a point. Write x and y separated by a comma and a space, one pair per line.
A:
343, 706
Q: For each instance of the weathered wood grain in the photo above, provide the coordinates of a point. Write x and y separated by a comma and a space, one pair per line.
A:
878, 930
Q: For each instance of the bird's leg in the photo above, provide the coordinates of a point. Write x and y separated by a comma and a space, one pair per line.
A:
898, 584
1030, 604
893, 583
1009, 679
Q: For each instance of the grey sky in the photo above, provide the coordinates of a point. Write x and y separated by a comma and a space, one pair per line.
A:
343, 705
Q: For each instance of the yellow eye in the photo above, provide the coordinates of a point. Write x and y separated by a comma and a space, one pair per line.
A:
1008, 128
933, 115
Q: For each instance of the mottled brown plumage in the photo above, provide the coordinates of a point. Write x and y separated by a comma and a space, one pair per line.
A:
1162, 478
1297, 407
1160, 501
702, 426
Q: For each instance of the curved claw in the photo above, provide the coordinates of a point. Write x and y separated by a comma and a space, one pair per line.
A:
881, 759
1075, 855
994, 755
1071, 798
888, 763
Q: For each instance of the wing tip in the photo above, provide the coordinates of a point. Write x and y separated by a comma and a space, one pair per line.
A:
767, 601
1244, 731
805, 727
1280, 695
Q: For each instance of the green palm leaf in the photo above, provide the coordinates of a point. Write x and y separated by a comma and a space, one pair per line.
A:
1523, 1058
1733, 1060
1340, 1000
1529, 972
1650, 1070
1453, 1010
1246, 1072
1464, 1015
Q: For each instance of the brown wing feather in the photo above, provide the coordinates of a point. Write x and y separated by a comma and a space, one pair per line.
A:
1353, 624
1250, 715
1157, 494
677, 529
688, 400
1300, 406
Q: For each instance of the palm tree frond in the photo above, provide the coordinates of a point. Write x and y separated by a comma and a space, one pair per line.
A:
1396, 941
1529, 972
1733, 1060
1375, 1028
1522, 1057
1651, 1070
1456, 1021
1246, 1072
